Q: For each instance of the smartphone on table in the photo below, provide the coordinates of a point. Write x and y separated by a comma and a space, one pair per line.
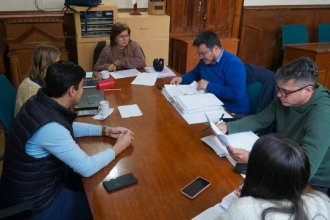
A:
119, 182
195, 187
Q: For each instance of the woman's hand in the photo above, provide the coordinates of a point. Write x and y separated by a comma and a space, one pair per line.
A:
112, 67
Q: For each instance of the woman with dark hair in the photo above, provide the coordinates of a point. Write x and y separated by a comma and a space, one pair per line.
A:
122, 53
277, 175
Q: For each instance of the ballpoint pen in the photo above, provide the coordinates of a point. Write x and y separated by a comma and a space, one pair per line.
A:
220, 119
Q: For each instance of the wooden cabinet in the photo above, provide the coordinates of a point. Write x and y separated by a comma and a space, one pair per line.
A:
184, 54
151, 32
92, 25
23, 32
190, 17
319, 52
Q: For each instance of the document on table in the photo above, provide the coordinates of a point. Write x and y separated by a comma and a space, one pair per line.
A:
124, 73
145, 79
127, 111
215, 211
166, 72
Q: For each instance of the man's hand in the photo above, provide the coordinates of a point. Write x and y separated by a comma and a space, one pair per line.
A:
114, 131
176, 80
202, 84
123, 141
239, 155
223, 127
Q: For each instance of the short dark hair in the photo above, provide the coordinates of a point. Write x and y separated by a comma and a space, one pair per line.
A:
302, 70
117, 29
209, 38
62, 75
278, 169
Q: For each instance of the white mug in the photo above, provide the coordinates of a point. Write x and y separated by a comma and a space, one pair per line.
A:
105, 74
104, 108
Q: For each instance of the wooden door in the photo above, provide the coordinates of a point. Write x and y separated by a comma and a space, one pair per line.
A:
219, 16
185, 16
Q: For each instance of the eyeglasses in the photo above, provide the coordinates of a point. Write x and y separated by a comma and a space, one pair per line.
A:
286, 93
203, 53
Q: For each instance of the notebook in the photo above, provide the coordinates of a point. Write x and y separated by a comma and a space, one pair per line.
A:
90, 99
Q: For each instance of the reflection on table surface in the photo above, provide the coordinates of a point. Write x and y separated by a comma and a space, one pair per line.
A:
166, 154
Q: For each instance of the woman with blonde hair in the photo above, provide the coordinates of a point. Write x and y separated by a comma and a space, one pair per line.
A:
44, 55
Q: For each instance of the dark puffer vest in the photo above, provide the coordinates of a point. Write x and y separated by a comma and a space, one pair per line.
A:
25, 178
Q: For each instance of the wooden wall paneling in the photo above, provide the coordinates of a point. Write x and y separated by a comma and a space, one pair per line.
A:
270, 19
253, 35
23, 31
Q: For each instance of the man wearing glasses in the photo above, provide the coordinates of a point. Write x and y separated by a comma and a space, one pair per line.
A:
218, 72
301, 113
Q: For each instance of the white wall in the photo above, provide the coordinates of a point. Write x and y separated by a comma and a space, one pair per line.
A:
51, 5
55, 5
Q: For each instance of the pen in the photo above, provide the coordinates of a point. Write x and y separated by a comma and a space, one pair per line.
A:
220, 119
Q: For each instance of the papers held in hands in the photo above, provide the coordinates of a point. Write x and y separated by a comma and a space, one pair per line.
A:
220, 135
220, 141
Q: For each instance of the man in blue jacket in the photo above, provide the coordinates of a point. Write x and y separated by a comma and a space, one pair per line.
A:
218, 72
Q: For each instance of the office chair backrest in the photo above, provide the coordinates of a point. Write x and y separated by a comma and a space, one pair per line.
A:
260, 87
98, 49
7, 100
324, 32
294, 34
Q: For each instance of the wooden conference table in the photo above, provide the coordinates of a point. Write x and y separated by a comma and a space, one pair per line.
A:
165, 155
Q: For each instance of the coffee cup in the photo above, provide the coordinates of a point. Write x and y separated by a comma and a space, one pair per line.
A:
104, 108
105, 74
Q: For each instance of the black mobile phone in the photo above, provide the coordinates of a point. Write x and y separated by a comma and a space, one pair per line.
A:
240, 168
119, 182
195, 187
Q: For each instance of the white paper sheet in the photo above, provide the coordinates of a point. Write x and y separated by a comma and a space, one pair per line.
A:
214, 212
166, 72
89, 75
145, 79
124, 73
127, 111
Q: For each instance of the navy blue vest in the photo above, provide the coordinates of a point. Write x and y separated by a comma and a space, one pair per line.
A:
25, 178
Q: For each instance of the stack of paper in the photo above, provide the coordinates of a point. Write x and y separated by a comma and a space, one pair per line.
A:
192, 104
171, 91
